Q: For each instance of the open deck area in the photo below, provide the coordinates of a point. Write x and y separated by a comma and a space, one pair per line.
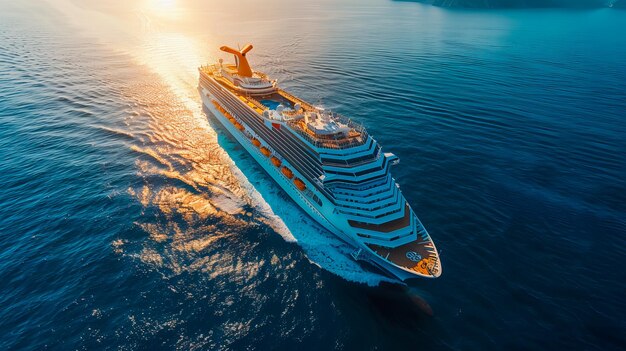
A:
312, 123
418, 256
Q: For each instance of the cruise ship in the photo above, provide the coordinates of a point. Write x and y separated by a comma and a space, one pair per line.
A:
327, 163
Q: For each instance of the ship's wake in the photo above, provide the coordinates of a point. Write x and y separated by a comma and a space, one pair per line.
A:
198, 186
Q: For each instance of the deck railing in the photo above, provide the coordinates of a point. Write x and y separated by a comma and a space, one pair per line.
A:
342, 143
304, 104
363, 160
434, 269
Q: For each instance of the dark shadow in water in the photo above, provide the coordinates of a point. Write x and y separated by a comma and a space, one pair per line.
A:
398, 306
389, 316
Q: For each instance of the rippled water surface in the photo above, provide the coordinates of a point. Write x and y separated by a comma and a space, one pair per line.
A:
130, 220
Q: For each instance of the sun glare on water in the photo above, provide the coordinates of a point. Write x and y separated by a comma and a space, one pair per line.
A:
163, 8
165, 4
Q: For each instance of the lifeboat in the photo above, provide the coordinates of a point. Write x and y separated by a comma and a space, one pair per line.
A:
276, 161
256, 142
265, 151
239, 126
219, 107
287, 172
299, 184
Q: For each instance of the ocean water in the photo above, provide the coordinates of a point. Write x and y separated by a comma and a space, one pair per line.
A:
130, 220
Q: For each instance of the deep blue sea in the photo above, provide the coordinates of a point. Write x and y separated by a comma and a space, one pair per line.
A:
129, 220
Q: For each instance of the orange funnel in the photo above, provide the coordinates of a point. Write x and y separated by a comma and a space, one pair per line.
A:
243, 67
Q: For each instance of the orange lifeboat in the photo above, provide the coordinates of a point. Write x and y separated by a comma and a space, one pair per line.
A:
276, 161
287, 172
265, 151
256, 142
219, 107
299, 184
239, 126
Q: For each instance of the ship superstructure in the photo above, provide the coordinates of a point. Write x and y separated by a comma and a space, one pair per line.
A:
328, 164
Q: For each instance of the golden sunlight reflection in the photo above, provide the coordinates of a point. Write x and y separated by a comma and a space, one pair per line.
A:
175, 58
163, 8
197, 198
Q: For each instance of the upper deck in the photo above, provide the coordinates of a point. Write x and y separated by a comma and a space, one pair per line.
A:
321, 128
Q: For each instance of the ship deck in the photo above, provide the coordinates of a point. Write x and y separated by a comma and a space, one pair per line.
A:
417, 256
262, 102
